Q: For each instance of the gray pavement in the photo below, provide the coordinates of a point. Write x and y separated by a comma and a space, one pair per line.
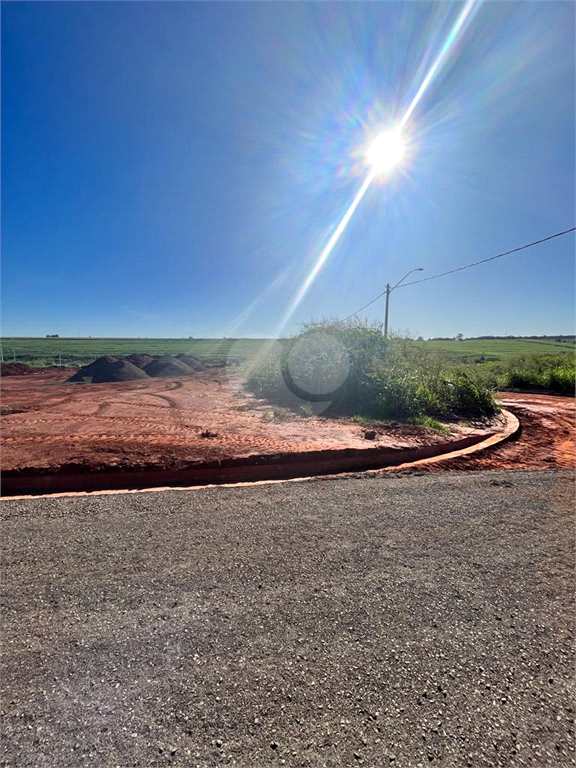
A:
395, 620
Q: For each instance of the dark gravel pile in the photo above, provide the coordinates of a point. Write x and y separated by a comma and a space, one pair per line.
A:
167, 366
139, 360
191, 361
108, 368
134, 366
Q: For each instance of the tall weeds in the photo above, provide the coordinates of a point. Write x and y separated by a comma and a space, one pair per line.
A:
371, 375
548, 373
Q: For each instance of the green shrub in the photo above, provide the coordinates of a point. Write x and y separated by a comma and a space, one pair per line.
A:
354, 369
555, 373
563, 379
263, 378
546, 372
471, 397
430, 423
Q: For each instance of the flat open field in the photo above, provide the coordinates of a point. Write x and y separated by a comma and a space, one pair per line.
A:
43, 351
500, 349
207, 428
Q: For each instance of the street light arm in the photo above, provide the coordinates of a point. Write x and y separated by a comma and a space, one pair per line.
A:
418, 269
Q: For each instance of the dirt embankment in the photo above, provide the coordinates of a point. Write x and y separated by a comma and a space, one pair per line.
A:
15, 369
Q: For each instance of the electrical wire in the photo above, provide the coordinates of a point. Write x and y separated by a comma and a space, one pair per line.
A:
467, 266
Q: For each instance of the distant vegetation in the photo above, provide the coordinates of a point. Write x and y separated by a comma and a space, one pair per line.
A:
364, 374
521, 363
52, 350
555, 373
73, 351
494, 348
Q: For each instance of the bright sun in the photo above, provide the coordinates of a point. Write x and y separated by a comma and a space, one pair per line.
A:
386, 152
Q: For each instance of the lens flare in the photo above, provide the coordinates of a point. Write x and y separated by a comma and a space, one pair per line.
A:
385, 152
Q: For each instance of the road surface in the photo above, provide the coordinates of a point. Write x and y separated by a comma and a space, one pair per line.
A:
392, 620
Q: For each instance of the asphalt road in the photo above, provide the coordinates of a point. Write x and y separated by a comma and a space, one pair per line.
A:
391, 620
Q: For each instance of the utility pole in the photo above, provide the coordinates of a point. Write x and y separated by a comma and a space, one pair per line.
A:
386, 315
389, 291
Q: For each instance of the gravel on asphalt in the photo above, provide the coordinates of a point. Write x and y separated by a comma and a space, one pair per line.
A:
391, 620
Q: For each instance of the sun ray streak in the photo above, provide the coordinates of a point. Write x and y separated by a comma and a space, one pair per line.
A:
327, 249
464, 17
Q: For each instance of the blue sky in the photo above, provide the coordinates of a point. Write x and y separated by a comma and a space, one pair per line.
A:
175, 168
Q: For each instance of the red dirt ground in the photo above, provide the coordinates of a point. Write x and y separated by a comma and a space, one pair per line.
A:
165, 424
548, 437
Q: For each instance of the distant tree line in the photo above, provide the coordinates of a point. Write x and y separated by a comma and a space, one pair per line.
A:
460, 337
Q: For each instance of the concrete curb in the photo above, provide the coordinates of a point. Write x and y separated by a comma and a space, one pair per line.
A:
340, 463
511, 429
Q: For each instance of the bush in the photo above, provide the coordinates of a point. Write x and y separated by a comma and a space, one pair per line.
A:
262, 375
546, 372
353, 369
554, 373
563, 379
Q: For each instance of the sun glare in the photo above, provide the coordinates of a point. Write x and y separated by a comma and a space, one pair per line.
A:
386, 152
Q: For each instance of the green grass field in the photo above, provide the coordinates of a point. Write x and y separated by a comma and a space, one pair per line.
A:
74, 352
46, 351
499, 349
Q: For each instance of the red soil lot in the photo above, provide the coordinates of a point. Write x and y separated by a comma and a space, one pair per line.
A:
49, 425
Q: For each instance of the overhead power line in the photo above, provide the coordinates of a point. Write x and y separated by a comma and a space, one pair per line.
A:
467, 266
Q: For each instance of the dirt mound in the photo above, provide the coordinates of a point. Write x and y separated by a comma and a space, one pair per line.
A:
139, 360
16, 369
168, 366
108, 368
191, 361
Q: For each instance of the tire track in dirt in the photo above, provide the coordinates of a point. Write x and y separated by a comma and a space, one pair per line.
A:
87, 438
153, 424
175, 411
114, 437
156, 431
172, 403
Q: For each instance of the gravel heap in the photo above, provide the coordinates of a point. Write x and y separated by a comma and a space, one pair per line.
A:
108, 368
136, 366
167, 366
139, 360
191, 361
